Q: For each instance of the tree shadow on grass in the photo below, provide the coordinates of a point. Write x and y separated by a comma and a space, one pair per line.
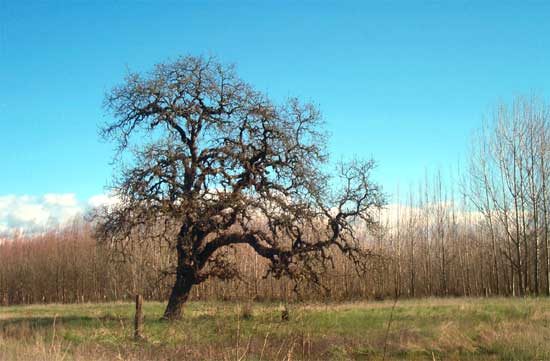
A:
48, 322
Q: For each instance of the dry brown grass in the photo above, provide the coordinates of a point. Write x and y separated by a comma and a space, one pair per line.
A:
430, 329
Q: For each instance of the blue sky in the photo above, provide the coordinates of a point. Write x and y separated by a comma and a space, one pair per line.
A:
405, 82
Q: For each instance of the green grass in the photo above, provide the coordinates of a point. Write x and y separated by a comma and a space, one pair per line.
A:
429, 329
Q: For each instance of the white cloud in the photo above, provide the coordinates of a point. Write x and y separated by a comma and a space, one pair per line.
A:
63, 200
33, 214
25, 213
394, 212
100, 200
30, 214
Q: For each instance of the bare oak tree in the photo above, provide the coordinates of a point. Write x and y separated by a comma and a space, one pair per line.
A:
207, 163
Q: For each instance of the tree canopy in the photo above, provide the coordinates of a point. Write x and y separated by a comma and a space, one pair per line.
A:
208, 162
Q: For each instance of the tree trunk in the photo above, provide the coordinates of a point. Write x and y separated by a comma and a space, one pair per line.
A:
178, 296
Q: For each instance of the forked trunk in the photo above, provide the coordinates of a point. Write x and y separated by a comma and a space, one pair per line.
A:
178, 297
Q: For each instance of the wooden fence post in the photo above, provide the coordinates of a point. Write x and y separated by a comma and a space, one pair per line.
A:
138, 323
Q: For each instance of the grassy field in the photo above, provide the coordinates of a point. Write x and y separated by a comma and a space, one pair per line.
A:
430, 329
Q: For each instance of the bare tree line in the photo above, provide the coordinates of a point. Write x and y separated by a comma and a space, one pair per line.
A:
508, 183
481, 233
